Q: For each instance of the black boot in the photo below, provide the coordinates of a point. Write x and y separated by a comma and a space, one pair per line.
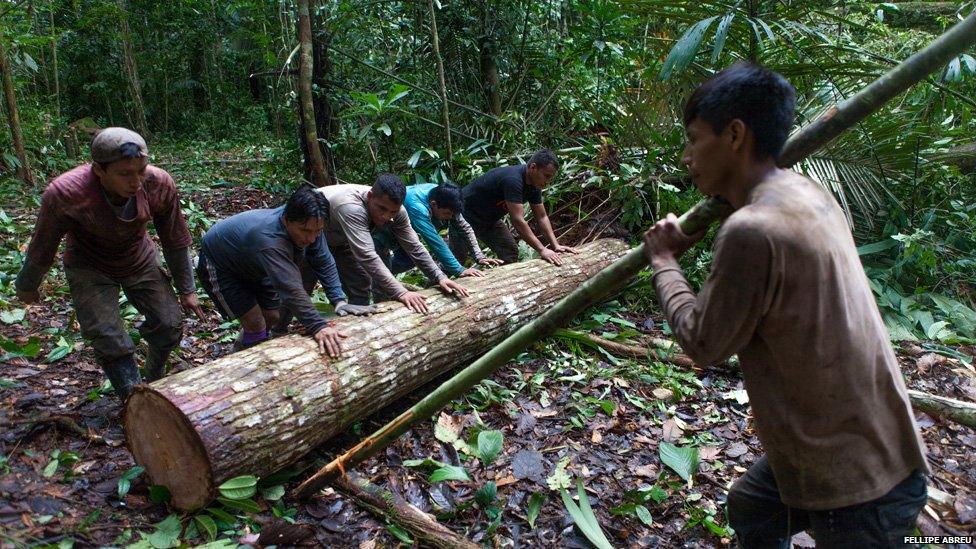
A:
124, 375
155, 367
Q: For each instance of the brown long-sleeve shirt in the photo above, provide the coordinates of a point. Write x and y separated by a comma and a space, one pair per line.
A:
350, 227
787, 292
98, 238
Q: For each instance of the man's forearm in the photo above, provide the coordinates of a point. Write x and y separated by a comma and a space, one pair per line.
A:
178, 261
546, 227
522, 226
30, 276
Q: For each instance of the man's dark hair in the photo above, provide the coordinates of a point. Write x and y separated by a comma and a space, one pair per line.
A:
391, 186
306, 203
543, 158
447, 195
761, 98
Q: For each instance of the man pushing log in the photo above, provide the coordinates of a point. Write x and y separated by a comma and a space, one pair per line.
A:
788, 294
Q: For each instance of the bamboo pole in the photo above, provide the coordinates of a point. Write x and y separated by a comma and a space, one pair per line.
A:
445, 112
703, 214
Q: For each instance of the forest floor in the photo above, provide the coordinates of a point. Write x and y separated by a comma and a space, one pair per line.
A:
566, 413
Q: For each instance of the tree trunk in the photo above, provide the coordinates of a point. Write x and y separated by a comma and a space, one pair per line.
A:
663, 351
388, 505
963, 157
13, 115
315, 160
132, 71
325, 124
443, 89
261, 409
489, 69
54, 67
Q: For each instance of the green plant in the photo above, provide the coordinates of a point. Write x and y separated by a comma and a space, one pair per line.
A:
584, 517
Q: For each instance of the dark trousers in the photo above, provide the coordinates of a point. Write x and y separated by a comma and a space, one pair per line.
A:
497, 236
355, 280
96, 302
761, 519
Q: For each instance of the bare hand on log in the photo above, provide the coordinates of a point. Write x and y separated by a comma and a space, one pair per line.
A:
551, 256
449, 287
490, 261
565, 249
191, 304
664, 242
414, 301
29, 296
471, 272
328, 339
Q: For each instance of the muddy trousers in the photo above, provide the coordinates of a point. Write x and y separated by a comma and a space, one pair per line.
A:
96, 302
762, 520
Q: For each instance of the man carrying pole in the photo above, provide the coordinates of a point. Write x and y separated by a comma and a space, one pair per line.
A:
788, 294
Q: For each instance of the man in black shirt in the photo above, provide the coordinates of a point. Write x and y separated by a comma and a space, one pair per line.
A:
506, 190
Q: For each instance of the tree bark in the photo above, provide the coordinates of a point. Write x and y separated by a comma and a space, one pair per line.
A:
261, 409
13, 115
132, 71
386, 504
320, 175
664, 351
961, 412
54, 66
325, 123
963, 157
445, 114
490, 82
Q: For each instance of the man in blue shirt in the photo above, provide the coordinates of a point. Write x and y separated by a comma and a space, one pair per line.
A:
432, 208
250, 265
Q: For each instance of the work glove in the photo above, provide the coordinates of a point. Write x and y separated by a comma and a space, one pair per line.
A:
344, 309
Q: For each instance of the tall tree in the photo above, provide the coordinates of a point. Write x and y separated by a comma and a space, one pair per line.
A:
320, 174
54, 64
132, 72
489, 68
443, 89
13, 116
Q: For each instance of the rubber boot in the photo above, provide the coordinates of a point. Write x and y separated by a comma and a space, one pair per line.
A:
124, 375
155, 367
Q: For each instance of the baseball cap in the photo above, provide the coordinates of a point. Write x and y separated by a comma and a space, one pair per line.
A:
109, 145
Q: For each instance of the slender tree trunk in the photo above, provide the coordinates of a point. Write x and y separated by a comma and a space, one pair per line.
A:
325, 124
319, 173
54, 66
489, 69
258, 410
443, 91
132, 71
13, 116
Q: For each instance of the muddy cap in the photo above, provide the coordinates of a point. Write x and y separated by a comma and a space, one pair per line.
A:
113, 144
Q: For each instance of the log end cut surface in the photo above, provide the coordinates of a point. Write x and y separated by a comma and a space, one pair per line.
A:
163, 441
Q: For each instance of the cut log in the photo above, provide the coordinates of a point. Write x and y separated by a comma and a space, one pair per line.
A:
961, 412
388, 505
258, 410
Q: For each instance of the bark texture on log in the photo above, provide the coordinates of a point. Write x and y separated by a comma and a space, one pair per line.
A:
258, 410
949, 408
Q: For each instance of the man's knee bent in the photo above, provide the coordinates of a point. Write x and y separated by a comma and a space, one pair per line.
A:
271, 317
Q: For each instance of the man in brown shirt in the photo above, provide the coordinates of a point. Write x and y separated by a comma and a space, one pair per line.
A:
358, 211
104, 208
788, 294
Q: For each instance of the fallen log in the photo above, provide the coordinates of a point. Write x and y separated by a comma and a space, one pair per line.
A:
961, 412
387, 504
258, 410
663, 350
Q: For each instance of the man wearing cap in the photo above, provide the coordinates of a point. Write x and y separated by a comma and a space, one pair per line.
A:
104, 208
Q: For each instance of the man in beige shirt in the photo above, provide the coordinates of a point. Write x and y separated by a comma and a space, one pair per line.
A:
358, 211
788, 294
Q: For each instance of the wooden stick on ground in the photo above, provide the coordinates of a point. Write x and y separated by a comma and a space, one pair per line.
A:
665, 350
961, 412
387, 504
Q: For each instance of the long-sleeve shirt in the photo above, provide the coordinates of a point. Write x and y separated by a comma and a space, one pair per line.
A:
350, 227
417, 204
787, 292
255, 245
114, 243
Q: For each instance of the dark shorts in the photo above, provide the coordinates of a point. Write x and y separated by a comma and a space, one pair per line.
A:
232, 295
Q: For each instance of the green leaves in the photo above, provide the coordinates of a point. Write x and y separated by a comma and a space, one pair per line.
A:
28, 350
167, 533
125, 482
682, 460
584, 518
449, 472
684, 50
206, 525
489, 445
12, 316
241, 487
63, 349
534, 506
